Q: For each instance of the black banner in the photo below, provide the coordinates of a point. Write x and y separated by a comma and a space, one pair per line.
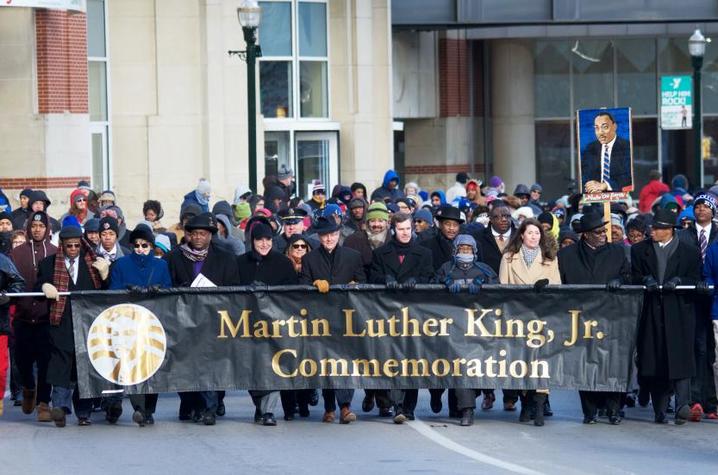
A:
576, 337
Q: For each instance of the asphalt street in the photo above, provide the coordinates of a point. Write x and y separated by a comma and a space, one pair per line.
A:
497, 443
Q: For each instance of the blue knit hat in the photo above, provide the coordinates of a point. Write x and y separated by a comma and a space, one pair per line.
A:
464, 240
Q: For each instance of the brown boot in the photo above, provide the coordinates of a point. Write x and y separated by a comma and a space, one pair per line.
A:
43, 413
347, 416
329, 417
58, 416
28, 401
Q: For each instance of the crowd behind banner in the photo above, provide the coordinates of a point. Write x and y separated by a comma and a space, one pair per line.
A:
473, 233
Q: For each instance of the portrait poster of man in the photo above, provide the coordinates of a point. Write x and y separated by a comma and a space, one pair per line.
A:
605, 150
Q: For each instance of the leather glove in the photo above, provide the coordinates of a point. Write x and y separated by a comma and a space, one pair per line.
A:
409, 284
392, 284
650, 283
321, 285
703, 288
103, 267
453, 287
50, 291
671, 284
540, 284
613, 285
136, 289
4, 299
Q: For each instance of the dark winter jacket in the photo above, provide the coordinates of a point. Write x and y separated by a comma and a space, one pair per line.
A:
272, 269
191, 197
465, 275
27, 258
387, 266
579, 264
139, 270
10, 281
219, 267
490, 252
666, 330
360, 243
442, 250
342, 266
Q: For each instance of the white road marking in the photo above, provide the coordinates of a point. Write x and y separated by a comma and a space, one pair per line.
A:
447, 443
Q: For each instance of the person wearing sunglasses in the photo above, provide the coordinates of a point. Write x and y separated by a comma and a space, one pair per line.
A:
78, 207
74, 267
141, 271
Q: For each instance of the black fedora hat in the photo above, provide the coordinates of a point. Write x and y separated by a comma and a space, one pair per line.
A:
589, 222
324, 225
205, 221
664, 218
448, 212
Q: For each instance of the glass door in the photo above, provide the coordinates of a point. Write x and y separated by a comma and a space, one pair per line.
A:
317, 159
100, 157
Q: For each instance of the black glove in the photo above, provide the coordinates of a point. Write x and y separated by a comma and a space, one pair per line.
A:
613, 285
650, 283
409, 283
136, 289
392, 284
671, 284
153, 289
4, 299
540, 284
703, 288
453, 287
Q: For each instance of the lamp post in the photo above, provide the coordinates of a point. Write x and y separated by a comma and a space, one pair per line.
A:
697, 49
249, 14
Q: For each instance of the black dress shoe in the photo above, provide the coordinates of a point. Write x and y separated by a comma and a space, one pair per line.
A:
644, 397
547, 408
435, 403
410, 415
590, 419
185, 416
196, 416
525, 414
303, 411
614, 420
385, 412
660, 419
368, 403
114, 411
269, 420
150, 420
221, 410
630, 400
84, 421
257, 416
467, 417
289, 416
209, 418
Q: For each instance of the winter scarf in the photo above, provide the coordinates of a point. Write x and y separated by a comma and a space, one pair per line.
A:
61, 279
192, 254
530, 254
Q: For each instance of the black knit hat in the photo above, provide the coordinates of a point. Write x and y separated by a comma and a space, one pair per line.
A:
141, 231
71, 232
40, 216
108, 223
261, 230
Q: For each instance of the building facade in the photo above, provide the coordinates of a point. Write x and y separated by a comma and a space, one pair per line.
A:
140, 96
492, 87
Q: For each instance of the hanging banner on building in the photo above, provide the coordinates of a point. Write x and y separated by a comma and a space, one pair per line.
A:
212, 339
605, 153
75, 5
676, 102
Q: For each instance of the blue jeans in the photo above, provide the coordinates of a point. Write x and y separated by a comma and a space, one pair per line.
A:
66, 398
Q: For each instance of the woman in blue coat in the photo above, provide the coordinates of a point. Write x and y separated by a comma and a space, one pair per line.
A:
140, 270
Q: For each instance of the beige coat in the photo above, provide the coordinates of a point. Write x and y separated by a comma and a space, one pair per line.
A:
514, 270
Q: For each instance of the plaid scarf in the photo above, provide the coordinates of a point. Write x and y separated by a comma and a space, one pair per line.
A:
192, 254
61, 279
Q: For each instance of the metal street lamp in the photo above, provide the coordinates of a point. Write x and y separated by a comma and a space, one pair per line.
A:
697, 49
249, 15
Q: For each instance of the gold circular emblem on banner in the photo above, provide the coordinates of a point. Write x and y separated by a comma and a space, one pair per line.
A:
126, 344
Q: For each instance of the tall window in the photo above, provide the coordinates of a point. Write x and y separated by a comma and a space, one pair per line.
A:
97, 67
293, 69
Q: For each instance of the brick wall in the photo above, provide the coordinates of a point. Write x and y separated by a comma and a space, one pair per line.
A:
454, 97
41, 183
62, 83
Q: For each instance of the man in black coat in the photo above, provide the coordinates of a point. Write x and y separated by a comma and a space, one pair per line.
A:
701, 235
331, 264
401, 263
442, 250
262, 265
666, 331
292, 223
593, 260
74, 271
199, 255
606, 162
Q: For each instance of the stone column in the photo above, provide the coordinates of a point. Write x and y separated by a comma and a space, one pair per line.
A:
512, 106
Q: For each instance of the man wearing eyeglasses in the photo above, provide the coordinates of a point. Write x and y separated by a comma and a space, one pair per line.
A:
73, 268
593, 260
606, 162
